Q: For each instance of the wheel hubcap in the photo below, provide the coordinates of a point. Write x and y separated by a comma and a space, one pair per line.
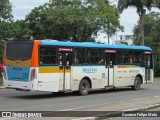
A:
84, 87
137, 84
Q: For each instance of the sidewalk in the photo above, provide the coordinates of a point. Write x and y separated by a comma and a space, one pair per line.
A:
130, 105
116, 109
137, 104
105, 111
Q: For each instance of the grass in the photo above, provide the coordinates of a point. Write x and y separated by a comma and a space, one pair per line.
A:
156, 78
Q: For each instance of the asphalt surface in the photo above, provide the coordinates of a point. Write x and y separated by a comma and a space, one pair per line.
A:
101, 100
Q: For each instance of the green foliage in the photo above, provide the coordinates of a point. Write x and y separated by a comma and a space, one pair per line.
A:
5, 18
157, 69
125, 43
152, 27
19, 30
1, 51
4, 30
72, 19
140, 5
62, 20
5, 10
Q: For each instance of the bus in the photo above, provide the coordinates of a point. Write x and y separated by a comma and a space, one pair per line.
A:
57, 66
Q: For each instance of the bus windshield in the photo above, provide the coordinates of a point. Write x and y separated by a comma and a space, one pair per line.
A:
19, 50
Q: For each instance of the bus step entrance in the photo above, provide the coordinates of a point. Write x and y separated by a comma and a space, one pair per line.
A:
109, 87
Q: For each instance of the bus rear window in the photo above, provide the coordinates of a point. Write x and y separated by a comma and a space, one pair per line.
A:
19, 50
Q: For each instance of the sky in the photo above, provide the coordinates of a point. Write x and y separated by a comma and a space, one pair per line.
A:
128, 18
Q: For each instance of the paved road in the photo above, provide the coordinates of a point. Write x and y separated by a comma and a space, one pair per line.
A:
45, 101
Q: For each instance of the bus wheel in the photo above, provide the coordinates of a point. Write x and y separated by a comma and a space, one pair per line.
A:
84, 87
137, 84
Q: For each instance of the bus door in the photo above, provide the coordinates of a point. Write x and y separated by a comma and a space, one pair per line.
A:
148, 66
65, 62
110, 61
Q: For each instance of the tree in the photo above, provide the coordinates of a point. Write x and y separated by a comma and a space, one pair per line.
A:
19, 30
5, 18
107, 16
140, 5
5, 10
72, 19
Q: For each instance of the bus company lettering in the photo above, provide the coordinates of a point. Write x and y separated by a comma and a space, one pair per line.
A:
17, 68
89, 70
14, 68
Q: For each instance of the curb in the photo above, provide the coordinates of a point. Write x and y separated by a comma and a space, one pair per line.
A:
119, 113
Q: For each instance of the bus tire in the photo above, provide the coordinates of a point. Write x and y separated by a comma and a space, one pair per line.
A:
137, 84
84, 87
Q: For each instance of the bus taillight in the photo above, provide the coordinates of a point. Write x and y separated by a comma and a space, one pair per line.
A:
33, 74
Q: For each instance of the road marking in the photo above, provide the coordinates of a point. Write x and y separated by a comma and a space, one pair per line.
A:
85, 118
84, 107
140, 99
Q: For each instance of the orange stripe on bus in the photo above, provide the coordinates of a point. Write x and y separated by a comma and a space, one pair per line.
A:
126, 67
34, 58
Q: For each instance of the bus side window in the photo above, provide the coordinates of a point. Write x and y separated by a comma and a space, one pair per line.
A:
47, 55
80, 55
69, 58
124, 56
119, 56
76, 61
137, 57
127, 54
95, 56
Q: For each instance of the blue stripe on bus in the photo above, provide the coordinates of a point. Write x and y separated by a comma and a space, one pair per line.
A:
94, 45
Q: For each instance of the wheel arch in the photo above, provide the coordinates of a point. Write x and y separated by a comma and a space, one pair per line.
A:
88, 79
141, 78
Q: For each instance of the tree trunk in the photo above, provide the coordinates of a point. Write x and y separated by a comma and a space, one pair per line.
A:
108, 33
142, 28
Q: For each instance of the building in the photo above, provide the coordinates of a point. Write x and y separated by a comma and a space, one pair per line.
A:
126, 39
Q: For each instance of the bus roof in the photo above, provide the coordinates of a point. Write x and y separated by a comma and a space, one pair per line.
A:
92, 45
